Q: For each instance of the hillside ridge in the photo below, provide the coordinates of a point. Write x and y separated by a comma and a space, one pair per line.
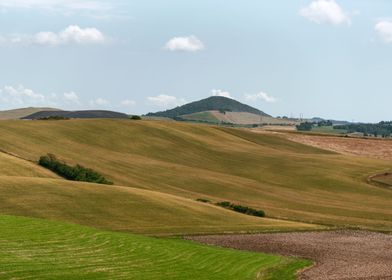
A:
212, 103
23, 112
85, 114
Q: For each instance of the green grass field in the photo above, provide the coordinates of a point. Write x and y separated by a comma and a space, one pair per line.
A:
39, 249
286, 179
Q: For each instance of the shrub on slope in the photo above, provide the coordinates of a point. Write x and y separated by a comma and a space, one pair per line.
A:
74, 173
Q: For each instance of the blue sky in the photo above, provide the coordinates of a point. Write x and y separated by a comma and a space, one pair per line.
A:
317, 58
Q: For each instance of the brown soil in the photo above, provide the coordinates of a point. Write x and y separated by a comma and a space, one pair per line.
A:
337, 254
372, 148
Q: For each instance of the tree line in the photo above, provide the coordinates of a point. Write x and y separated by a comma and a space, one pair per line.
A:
381, 129
73, 173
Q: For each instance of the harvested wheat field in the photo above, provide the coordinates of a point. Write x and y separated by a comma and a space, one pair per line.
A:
338, 255
372, 148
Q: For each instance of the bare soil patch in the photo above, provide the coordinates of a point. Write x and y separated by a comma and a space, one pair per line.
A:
372, 148
337, 254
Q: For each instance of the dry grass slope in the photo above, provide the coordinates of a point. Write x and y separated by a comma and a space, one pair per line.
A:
288, 180
124, 208
20, 113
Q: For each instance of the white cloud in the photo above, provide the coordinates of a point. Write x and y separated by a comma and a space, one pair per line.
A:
14, 96
71, 97
73, 34
185, 44
100, 102
21, 96
384, 30
97, 9
128, 103
218, 92
260, 96
325, 11
55, 5
165, 101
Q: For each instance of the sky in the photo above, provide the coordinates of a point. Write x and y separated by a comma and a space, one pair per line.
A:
324, 58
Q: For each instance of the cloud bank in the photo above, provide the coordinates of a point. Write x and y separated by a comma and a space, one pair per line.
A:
325, 11
164, 101
261, 96
185, 44
218, 92
20, 96
58, 5
384, 30
73, 34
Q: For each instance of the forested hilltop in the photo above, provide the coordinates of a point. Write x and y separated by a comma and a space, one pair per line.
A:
213, 103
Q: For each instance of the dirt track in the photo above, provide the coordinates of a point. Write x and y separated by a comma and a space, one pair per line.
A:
338, 254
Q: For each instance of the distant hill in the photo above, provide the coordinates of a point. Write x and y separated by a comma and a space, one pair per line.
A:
23, 112
236, 118
88, 114
213, 103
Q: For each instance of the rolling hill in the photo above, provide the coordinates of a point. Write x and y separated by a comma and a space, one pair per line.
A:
23, 112
124, 208
236, 118
286, 179
213, 103
27, 189
87, 114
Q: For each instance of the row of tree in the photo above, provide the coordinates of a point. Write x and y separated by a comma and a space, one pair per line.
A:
241, 209
305, 126
381, 129
74, 173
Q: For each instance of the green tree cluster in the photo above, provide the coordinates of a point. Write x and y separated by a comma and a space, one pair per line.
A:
74, 173
241, 209
382, 129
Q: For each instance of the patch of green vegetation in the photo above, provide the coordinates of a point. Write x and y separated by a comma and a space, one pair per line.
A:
74, 173
305, 126
381, 129
204, 200
136, 118
53, 118
39, 249
286, 271
241, 209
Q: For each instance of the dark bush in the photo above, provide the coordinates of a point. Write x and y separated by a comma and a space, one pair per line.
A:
135, 118
306, 126
242, 209
224, 204
205, 200
74, 173
53, 118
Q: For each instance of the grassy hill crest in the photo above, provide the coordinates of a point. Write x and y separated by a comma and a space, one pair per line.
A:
85, 114
22, 112
213, 103
286, 179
